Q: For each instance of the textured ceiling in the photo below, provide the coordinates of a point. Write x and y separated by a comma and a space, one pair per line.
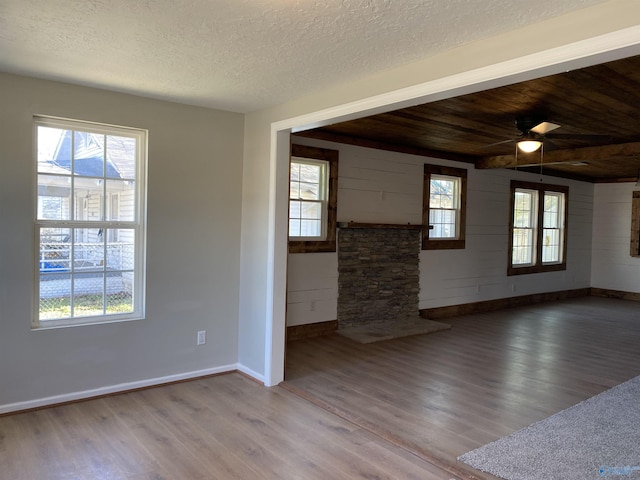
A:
243, 55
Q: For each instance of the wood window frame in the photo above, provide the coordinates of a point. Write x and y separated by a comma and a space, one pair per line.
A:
329, 243
635, 224
442, 243
538, 267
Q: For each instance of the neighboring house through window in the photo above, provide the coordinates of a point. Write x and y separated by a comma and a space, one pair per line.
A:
444, 207
313, 192
90, 223
538, 228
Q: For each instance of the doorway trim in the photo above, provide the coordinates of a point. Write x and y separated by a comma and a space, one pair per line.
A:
600, 49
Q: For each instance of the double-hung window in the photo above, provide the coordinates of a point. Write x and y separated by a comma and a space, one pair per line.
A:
444, 207
538, 228
308, 192
313, 181
90, 223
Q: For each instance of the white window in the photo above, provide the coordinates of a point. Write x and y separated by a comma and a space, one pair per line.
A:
524, 227
552, 225
308, 193
538, 228
90, 248
444, 205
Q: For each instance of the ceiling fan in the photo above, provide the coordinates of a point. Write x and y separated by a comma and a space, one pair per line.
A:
534, 131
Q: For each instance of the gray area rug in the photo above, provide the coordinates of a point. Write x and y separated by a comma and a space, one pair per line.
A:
388, 330
597, 438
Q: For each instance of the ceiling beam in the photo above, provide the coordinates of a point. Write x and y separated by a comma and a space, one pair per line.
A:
319, 134
587, 154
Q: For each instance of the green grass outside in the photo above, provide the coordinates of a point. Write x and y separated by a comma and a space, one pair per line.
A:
84, 305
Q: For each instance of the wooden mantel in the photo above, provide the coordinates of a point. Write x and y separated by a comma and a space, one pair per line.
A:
397, 226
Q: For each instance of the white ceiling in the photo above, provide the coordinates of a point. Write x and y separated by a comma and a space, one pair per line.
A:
243, 55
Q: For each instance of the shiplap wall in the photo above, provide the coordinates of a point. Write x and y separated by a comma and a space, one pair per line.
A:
384, 187
612, 266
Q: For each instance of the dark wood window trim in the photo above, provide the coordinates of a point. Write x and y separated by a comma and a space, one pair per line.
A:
329, 244
443, 244
539, 267
635, 225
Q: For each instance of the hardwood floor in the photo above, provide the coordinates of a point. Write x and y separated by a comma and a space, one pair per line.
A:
223, 427
444, 394
404, 408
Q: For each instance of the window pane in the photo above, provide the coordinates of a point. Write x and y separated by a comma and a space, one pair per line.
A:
523, 215
55, 250
443, 192
443, 223
120, 249
55, 296
309, 191
88, 193
294, 228
119, 298
294, 190
551, 210
88, 153
54, 155
294, 174
310, 173
295, 209
54, 197
311, 210
523, 246
88, 249
121, 204
121, 157
310, 228
551, 245
88, 294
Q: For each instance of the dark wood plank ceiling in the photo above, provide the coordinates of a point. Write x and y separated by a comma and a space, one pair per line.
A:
596, 107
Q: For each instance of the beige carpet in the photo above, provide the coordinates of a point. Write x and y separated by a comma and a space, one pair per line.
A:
595, 438
388, 330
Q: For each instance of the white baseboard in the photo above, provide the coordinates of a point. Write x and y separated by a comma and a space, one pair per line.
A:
121, 387
251, 373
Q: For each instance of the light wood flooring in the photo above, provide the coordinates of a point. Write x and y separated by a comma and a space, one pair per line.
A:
444, 394
399, 409
223, 427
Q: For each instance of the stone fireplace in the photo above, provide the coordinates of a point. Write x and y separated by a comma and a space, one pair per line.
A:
378, 273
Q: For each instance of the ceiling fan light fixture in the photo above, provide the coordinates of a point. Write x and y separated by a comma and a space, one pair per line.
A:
529, 146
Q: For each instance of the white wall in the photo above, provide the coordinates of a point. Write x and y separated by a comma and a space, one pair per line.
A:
385, 187
612, 265
193, 253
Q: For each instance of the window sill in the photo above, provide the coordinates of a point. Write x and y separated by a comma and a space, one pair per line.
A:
443, 245
299, 246
536, 269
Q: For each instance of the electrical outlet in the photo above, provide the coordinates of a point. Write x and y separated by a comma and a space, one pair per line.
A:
202, 337
312, 306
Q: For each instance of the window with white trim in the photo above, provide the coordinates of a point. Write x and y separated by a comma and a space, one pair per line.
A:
538, 233
90, 223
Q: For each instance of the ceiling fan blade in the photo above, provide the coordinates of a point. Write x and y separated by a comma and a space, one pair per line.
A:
500, 143
544, 127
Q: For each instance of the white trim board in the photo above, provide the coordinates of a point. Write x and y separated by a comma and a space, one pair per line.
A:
122, 387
